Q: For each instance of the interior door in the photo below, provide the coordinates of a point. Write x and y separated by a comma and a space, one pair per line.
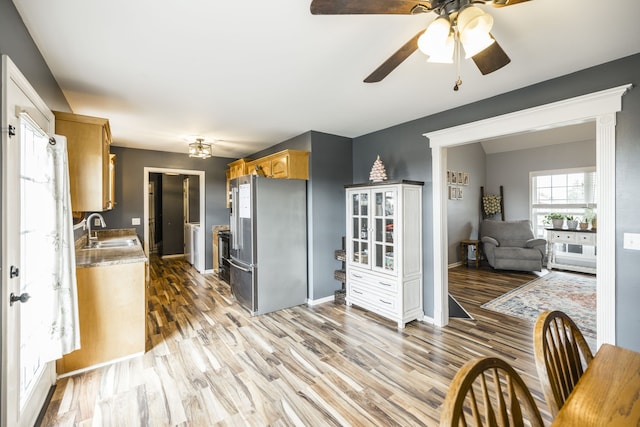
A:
26, 380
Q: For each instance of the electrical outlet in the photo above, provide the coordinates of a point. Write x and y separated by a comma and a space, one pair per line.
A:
135, 221
631, 241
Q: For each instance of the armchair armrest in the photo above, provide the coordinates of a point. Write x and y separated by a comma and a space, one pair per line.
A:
532, 243
487, 239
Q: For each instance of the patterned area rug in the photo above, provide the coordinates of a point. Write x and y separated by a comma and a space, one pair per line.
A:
574, 294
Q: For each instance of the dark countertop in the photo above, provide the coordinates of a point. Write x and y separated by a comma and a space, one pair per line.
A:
109, 256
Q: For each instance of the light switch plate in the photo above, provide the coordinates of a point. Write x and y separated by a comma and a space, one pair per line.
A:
135, 221
632, 241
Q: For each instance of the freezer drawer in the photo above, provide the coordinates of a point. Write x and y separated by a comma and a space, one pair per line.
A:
242, 286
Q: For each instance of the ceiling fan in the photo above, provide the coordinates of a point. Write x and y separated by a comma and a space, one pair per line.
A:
457, 23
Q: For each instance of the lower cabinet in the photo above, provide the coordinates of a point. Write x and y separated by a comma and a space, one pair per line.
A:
112, 311
387, 296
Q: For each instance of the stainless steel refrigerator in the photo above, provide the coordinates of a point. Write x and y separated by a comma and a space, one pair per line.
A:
268, 248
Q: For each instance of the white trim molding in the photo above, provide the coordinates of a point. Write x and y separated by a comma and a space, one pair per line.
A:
600, 107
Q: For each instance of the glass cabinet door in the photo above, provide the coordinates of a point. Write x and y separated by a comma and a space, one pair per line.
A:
384, 236
360, 228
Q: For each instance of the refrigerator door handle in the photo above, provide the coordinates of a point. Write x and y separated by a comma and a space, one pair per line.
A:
239, 267
234, 218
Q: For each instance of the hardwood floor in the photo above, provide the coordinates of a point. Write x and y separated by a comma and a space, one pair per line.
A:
208, 363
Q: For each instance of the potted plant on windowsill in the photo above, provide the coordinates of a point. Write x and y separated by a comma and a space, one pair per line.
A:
555, 219
584, 224
592, 217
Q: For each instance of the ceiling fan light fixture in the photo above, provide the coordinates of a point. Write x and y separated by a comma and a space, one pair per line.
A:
473, 20
436, 36
200, 149
475, 43
444, 53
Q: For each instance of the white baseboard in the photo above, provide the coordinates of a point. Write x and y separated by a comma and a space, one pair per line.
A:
427, 319
210, 271
312, 302
455, 264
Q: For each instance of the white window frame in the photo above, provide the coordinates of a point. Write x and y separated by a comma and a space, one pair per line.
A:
567, 208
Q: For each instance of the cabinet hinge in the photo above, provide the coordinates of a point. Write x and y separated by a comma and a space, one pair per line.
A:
12, 131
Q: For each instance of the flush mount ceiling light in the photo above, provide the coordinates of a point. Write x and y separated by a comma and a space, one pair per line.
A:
200, 149
459, 24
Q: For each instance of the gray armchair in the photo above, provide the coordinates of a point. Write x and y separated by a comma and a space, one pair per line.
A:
511, 245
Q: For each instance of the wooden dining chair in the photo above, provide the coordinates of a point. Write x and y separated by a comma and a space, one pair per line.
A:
562, 354
489, 392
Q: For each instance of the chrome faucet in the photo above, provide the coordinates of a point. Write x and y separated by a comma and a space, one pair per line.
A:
87, 225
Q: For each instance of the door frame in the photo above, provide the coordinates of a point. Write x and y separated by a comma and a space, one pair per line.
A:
600, 107
10, 376
201, 233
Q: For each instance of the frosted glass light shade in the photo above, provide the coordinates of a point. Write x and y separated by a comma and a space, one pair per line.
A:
435, 38
474, 26
443, 55
475, 43
473, 19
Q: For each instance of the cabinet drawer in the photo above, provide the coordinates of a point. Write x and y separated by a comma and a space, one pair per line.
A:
587, 238
372, 300
564, 237
373, 281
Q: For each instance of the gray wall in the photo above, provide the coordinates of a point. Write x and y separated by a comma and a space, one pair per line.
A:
511, 170
329, 170
16, 42
407, 153
130, 196
463, 216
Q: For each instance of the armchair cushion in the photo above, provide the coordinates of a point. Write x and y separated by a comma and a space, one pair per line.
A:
511, 245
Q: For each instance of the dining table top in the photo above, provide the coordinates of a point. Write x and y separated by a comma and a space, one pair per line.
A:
607, 394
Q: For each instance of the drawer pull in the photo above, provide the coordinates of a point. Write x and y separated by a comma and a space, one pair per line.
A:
385, 284
385, 302
357, 276
357, 292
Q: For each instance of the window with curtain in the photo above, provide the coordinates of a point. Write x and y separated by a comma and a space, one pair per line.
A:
569, 191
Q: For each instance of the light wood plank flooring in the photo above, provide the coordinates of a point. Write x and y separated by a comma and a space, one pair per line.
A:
210, 364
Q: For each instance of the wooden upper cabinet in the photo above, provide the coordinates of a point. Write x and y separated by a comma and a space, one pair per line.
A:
88, 145
238, 168
287, 164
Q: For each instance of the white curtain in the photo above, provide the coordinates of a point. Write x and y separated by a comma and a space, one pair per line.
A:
48, 252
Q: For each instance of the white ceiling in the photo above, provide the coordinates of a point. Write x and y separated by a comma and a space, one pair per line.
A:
254, 73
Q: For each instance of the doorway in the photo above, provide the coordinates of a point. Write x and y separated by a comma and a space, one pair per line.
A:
600, 107
26, 377
150, 207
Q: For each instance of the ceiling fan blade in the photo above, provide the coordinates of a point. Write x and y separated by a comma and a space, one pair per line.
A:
369, 7
491, 59
503, 3
394, 60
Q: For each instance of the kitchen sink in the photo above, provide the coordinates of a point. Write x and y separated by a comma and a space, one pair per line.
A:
110, 244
